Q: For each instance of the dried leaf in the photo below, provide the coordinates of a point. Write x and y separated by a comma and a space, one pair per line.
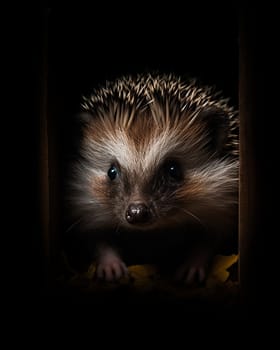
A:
218, 273
147, 275
142, 275
142, 271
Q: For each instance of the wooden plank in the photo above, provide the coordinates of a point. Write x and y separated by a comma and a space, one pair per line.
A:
250, 191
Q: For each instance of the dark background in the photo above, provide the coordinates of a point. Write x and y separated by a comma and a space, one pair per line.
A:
73, 49
87, 46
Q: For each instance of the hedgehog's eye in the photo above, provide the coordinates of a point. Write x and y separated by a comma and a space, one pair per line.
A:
113, 172
173, 170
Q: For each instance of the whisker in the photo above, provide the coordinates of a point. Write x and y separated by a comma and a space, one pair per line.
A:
74, 224
194, 216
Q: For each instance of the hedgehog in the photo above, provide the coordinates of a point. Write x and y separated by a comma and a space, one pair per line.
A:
156, 180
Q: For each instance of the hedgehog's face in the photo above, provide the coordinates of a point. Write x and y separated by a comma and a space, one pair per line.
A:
148, 177
136, 189
141, 199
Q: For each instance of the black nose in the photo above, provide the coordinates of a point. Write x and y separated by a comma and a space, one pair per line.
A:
137, 213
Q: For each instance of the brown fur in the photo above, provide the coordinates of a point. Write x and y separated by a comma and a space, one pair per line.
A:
139, 125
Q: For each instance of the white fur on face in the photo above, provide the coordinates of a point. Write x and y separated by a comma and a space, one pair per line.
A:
210, 185
120, 148
219, 180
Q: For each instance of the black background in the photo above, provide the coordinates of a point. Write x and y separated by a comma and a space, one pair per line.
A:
79, 48
87, 46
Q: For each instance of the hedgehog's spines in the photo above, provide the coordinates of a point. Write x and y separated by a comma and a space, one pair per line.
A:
168, 95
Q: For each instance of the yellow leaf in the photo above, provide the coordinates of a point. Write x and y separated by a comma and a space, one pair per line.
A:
142, 275
147, 275
142, 271
218, 273
91, 270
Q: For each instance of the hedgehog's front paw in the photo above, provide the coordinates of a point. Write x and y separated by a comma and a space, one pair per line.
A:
110, 267
194, 269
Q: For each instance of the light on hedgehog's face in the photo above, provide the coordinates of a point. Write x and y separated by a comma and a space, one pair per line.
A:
160, 186
145, 199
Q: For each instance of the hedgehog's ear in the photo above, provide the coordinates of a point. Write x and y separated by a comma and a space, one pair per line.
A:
216, 122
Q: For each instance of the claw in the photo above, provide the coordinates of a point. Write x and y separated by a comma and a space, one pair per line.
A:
110, 267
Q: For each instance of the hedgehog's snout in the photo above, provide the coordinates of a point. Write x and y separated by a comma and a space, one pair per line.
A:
138, 213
